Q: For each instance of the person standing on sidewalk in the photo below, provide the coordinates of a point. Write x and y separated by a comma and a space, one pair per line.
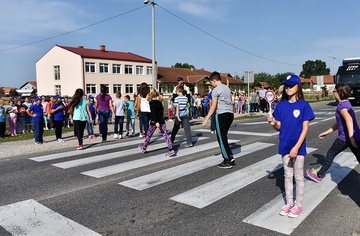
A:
36, 111
348, 132
156, 121
79, 115
2, 119
222, 105
57, 112
292, 117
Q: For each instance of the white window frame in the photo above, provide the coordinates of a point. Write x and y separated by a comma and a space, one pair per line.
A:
90, 89
128, 69
149, 70
57, 89
57, 72
116, 88
103, 68
116, 69
139, 70
90, 67
129, 88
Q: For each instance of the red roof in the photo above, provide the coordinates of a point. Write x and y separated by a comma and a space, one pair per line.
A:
102, 53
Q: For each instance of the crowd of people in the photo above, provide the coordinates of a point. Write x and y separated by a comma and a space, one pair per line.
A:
291, 118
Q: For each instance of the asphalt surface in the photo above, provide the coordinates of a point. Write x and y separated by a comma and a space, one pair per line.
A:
81, 186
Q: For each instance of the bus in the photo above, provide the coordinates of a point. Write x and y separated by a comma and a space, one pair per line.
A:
349, 73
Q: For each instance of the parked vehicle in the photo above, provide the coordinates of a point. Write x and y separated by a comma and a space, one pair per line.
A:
349, 73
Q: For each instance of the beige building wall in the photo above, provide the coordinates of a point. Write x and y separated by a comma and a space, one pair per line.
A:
73, 75
71, 72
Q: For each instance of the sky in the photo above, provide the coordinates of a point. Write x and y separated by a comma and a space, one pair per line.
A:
231, 36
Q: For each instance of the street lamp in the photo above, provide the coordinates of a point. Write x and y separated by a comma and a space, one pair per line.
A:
334, 62
153, 42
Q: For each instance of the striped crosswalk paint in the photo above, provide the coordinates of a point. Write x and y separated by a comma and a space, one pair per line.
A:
118, 168
101, 148
215, 190
33, 219
114, 155
268, 216
243, 133
153, 179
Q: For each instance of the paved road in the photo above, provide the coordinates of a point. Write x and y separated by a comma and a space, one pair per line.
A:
112, 189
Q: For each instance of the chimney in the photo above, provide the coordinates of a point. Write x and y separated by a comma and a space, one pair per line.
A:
102, 48
80, 46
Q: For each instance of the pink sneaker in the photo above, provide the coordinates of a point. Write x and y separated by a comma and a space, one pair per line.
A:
313, 175
285, 210
294, 212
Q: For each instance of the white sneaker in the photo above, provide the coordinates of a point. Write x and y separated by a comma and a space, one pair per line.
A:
212, 132
115, 136
120, 136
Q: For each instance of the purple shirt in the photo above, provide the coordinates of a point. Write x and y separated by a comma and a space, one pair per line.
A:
342, 129
103, 105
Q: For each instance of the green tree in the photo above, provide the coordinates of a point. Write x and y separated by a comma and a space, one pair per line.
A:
184, 65
2, 92
317, 67
13, 93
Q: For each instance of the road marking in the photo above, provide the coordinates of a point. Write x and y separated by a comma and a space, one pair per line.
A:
268, 216
32, 219
163, 176
88, 150
243, 133
217, 189
115, 169
113, 155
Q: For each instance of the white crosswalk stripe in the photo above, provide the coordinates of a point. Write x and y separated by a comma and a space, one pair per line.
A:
217, 189
211, 192
33, 219
268, 216
150, 180
242, 133
115, 169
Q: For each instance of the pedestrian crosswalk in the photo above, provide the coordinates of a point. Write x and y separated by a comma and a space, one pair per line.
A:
215, 189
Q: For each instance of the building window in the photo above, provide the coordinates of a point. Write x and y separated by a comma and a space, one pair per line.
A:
139, 70
89, 67
169, 88
116, 69
149, 70
104, 68
128, 69
129, 88
57, 89
57, 72
116, 88
91, 89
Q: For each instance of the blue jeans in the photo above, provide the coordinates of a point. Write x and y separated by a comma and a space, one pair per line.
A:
38, 131
90, 127
103, 118
119, 121
145, 119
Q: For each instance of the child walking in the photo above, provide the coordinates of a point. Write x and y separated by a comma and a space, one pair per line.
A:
348, 132
90, 125
2, 119
130, 115
181, 104
156, 121
119, 105
292, 117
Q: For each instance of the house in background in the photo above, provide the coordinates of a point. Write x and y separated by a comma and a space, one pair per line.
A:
196, 79
27, 89
7, 91
316, 82
64, 69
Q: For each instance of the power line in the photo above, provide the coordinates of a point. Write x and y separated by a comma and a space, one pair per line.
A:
69, 32
223, 41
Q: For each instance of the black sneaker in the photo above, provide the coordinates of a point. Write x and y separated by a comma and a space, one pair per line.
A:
225, 165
